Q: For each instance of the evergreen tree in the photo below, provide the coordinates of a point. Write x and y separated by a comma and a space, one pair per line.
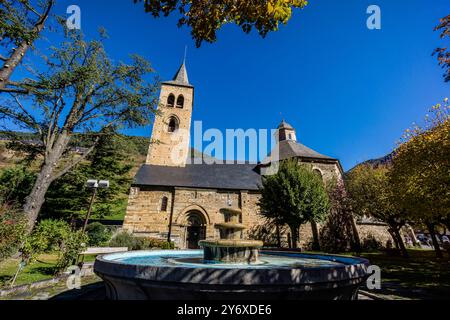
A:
69, 197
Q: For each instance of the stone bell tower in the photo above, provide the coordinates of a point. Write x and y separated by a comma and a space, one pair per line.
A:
171, 129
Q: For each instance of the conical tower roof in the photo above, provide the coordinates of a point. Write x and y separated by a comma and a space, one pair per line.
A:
181, 77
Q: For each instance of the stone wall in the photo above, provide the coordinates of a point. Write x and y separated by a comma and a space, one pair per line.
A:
144, 216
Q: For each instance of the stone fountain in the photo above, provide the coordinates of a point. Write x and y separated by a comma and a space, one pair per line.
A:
231, 248
230, 268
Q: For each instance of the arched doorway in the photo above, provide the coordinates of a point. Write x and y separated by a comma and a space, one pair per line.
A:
195, 229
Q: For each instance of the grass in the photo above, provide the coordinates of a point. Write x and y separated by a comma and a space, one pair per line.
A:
41, 269
421, 276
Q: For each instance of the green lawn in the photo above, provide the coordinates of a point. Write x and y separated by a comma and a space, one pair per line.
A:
421, 276
41, 269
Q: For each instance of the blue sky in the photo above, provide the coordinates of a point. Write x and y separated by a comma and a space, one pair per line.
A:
350, 92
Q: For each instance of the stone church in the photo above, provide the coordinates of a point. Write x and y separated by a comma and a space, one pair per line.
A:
182, 200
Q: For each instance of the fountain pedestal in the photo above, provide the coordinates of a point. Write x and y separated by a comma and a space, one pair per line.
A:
230, 248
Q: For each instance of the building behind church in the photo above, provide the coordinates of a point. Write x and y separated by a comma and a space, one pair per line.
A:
181, 200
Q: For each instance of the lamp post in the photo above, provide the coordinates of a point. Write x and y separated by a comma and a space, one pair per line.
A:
94, 185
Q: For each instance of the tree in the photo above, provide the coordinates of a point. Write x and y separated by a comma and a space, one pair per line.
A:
21, 22
206, 17
294, 196
442, 53
339, 232
81, 90
421, 171
68, 197
372, 195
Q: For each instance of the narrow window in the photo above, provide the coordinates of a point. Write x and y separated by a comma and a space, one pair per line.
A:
171, 100
180, 101
164, 203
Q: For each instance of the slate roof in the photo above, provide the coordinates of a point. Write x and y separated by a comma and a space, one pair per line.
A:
285, 125
290, 149
181, 77
208, 176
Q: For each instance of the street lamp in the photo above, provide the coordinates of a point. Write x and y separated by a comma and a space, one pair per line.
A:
94, 185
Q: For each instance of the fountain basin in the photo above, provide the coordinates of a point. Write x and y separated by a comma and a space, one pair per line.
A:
184, 274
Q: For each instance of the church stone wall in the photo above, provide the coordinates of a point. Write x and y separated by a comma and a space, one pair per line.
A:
144, 216
144, 213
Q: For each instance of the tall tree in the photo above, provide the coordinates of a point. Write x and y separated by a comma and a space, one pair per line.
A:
294, 196
21, 23
205, 17
372, 195
80, 90
442, 53
421, 170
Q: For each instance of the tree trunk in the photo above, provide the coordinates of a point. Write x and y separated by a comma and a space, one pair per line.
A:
278, 235
16, 57
394, 237
36, 198
435, 242
315, 234
356, 241
400, 242
294, 232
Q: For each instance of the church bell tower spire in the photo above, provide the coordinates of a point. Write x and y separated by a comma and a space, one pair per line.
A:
169, 144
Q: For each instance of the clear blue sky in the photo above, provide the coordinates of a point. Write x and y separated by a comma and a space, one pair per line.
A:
350, 92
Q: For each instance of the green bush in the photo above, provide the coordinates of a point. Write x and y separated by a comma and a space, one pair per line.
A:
126, 239
48, 236
12, 230
98, 234
55, 236
73, 245
123, 239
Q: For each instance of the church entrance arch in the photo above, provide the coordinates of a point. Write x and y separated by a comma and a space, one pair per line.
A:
195, 229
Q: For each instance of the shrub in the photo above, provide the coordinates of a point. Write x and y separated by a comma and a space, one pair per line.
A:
73, 244
12, 230
48, 236
98, 234
126, 239
123, 239
54, 235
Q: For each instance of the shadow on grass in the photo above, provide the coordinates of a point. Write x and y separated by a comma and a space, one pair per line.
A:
421, 276
47, 271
